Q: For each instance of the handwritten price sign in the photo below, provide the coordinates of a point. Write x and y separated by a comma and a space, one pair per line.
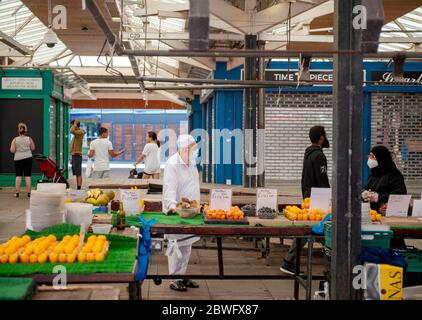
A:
221, 199
266, 198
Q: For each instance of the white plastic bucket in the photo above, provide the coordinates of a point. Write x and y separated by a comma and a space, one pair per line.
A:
78, 213
52, 187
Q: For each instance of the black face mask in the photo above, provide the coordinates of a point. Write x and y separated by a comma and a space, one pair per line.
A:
326, 143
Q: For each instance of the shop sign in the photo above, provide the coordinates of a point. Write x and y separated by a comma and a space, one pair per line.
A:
293, 75
412, 77
17, 83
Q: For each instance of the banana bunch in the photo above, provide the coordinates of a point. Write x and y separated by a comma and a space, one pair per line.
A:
97, 197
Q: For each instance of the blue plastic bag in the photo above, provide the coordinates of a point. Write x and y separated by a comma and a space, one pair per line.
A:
319, 228
379, 255
144, 252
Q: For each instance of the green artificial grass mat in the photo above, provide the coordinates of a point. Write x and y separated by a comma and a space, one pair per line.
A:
120, 258
164, 219
17, 288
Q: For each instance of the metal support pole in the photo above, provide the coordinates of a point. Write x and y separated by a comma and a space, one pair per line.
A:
347, 152
309, 268
297, 267
199, 25
249, 177
220, 257
266, 53
261, 122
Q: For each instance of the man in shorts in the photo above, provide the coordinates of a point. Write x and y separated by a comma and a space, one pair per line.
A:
76, 151
102, 149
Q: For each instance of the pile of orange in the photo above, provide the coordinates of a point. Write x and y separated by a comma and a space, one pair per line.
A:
48, 249
375, 216
233, 214
295, 213
95, 249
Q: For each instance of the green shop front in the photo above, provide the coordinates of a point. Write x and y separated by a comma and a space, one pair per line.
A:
37, 98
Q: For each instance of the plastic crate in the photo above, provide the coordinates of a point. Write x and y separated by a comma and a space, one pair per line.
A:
413, 257
369, 238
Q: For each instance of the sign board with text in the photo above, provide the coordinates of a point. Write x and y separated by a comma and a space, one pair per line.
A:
17, 83
398, 205
320, 199
266, 198
417, 208
221, 199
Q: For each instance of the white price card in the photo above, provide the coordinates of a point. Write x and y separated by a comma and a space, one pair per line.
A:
320, 199
75, 195
417, 208
266, 198
131, 200
221, 199
398, 205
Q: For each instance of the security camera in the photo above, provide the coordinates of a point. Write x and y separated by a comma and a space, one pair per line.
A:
50, 38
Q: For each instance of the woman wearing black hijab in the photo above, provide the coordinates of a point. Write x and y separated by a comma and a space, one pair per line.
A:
385, 178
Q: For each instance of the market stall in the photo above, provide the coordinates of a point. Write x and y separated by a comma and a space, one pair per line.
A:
118, 266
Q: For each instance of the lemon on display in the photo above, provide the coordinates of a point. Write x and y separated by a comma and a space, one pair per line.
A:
24, 258
42, 258
102, 238
67, 238
82, 257
71, 258
92, 238
99, 257
33, 258
29, 250
13, 258
53, 257
26, 238
52, 238
62, 258
20, 243
97, 249
4, 258
59, 249
90, 257
87, 248
10, 249
2, 248
69, 249
38, 250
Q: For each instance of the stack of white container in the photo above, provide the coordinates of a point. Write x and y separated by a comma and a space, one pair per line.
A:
46, 206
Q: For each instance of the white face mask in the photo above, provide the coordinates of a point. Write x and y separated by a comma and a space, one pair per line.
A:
372, 163
193, 155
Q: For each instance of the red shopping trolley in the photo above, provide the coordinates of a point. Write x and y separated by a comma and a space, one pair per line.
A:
51, 172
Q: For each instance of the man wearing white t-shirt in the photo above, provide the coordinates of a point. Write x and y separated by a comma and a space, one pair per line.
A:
102, 150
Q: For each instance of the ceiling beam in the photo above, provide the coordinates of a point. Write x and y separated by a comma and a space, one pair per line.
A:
23, 25
236, 18
323, 8
403, 28
217, 23
12, 43
206, 63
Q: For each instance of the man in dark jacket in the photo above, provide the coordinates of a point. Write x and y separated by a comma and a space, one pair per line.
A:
314, 175
314, 172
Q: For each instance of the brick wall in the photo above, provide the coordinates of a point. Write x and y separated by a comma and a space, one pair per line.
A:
397, 124
287, 127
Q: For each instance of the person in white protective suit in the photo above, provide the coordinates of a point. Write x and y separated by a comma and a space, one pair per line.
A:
181, 180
